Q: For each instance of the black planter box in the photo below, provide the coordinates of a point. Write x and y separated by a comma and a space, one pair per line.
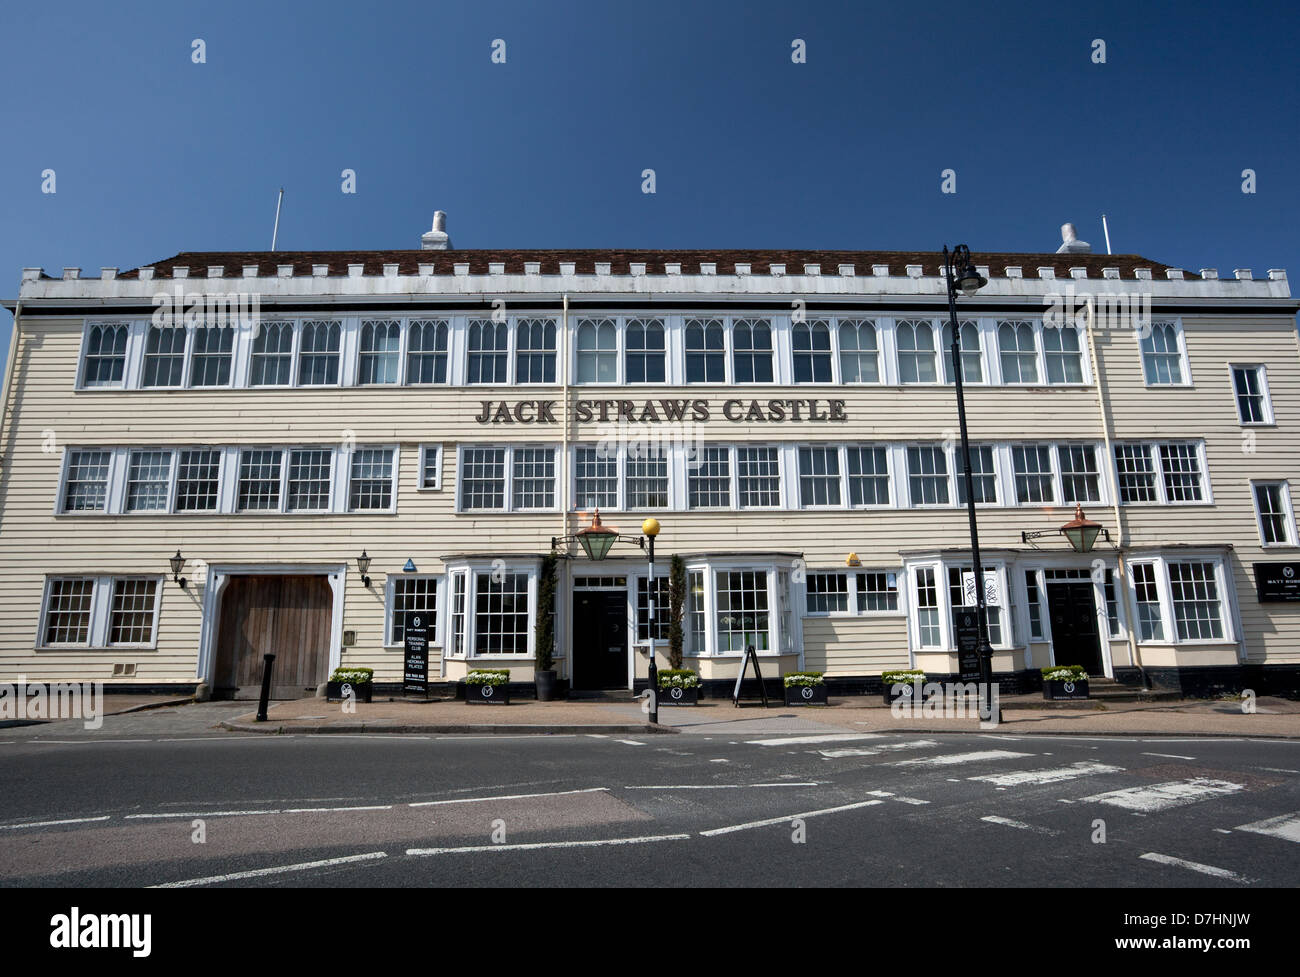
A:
805, 695
677, 696
487, 695
1065, 690
362, 690
906, 693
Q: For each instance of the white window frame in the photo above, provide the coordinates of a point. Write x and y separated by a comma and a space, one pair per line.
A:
134, 345
936, 330
1184, 363
880, 327
1164, 587
442, 588
1036, 329
1288, 511
425, 450
101, 612
850, 592
1261, 374
508, 499
344, 461
472, 569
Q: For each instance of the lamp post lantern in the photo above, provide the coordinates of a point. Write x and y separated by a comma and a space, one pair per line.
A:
960, 275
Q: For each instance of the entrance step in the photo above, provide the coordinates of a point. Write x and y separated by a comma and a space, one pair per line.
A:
601, 695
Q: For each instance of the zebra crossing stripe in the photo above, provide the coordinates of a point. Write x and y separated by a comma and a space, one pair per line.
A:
1018, 778
877, 749
1162, 797
1285, 826
821, 738
950, 759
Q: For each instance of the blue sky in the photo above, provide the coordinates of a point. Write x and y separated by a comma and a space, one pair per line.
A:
154, 154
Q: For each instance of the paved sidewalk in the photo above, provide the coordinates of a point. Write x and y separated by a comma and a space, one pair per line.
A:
1273, 718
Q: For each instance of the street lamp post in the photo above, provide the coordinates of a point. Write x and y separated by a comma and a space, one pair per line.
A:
960, 274
651, 529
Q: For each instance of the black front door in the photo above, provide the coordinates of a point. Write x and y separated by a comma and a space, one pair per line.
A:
1075, 640
599, 639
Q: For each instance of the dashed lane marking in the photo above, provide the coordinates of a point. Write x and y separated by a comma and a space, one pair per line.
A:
48, 824
1171, 756
949, 759
1285, 826
1018, 778
1161, 797
279, 870
787, 818
534, 846
310, 810
1008, 822
1218, 873
631, 742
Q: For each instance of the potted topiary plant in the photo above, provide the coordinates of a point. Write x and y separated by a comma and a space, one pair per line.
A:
488, 686
1065, 682
544, 637
678, 687
345, 682
903, 684
804, 689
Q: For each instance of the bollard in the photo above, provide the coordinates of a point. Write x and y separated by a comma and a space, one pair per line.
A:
268, 661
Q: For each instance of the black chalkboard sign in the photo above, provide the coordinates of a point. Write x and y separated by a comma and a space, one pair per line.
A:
966, 628
415, 670
750, 656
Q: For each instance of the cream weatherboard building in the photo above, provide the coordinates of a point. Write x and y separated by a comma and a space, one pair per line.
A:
787, 416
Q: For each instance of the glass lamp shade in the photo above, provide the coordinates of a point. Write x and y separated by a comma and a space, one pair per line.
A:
1081, 531
363, 563
971, 281
177, 562
596, 540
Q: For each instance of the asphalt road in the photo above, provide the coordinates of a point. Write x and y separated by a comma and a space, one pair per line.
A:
201, 808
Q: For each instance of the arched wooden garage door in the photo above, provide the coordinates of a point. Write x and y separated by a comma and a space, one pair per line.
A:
289, 617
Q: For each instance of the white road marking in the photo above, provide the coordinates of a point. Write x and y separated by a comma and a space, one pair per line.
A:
46, 824
508, 797
1286, 826
875, 749
948, 759
1277, 770
1223, 831
89, 740
1084, 768
1171, 756
714, 786
1218, 873
279, 870
719, 761
1161, 797
787, 818
903, 800
631, 742
994, 819
533, 846
310, 810
820, 738
199, 814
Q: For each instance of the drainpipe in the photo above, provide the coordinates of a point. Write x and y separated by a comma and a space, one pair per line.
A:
1122, 579
565, 588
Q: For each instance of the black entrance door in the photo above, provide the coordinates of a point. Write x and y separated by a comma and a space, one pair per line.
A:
600, 639
1075, 640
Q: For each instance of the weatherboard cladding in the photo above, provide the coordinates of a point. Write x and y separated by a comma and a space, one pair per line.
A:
620, 262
